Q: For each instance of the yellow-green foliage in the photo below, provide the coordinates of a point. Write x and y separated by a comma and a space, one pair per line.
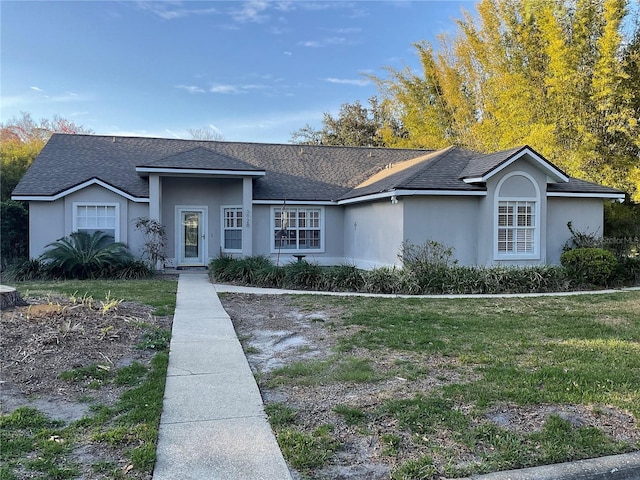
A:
558, 76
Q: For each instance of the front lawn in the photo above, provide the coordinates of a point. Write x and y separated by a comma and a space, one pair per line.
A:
440, 387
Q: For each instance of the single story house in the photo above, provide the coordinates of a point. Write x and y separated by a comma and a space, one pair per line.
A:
334, 205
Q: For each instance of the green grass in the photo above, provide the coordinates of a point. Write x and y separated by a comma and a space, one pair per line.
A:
575, 350
160, 294
305, 451
338, 368
31, 441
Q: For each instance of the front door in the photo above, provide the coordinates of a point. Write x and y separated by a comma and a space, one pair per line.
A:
192, 236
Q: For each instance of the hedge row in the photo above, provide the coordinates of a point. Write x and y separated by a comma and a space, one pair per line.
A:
419, 279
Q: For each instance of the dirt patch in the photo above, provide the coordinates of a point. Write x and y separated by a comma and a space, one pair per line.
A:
56, 334
275, 333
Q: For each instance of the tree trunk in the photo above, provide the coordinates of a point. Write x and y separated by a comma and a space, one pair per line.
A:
9, 297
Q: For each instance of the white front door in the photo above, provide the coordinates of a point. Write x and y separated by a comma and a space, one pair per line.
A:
192, 236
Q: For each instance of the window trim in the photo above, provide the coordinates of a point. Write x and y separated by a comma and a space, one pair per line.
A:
74, 215
535, 254
223, 228
272, 228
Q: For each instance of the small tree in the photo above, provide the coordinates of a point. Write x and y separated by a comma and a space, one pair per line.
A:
155, 240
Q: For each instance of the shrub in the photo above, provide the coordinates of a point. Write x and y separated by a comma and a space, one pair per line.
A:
304, 275
383, 280
84, 255
593, 266
32, 269
14, 233
343, 278
429, 255
219, 268
628, 270
582, 239
155, 240
132, 270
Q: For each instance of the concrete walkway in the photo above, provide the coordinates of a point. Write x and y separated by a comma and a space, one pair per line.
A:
213, 424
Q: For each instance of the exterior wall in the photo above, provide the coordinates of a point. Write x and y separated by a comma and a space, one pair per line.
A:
50, 221
332, 252
46, 225
450, 220
585, 214
373, 233
198, 192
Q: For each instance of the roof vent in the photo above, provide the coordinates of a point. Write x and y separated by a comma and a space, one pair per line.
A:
113, 140
301, 150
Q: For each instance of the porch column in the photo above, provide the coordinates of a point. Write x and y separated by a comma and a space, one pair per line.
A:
155, 207
155, 193
247, 216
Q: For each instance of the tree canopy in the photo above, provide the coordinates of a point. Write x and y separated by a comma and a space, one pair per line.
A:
562, 76
355, 126
21, 139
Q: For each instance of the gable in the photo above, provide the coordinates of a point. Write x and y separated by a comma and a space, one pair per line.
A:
482, 167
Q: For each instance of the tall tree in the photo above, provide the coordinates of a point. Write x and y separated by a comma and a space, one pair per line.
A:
558, 75
355, 125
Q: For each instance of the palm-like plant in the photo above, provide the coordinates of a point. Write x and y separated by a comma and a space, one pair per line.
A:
83, 255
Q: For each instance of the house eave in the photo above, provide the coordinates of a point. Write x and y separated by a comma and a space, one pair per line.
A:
280, 201
611, 196
200, 172
80, 186
407, 193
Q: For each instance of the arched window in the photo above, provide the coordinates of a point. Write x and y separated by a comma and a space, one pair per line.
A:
517, 217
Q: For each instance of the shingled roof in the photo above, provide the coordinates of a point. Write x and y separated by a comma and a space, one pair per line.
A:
291, 172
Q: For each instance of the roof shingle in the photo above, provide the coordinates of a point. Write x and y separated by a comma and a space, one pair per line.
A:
292, 172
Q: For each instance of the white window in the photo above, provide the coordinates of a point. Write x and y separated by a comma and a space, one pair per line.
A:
516, 227
232, 229
297, 228
517, 218
92, 217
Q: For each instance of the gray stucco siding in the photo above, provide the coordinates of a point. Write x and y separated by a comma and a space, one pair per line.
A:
373, 233
50, 221
46, 225
585, 214
452, 221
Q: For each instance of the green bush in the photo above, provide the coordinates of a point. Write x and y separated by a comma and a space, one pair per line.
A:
628, 270
342, 278
83, 255
303, 275
32, 269
218, 268
591, 266
14, 233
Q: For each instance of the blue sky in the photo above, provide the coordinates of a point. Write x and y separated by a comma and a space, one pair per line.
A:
253, 71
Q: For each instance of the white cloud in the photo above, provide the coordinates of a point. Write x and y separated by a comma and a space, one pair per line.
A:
37, 89
252, 11
191, 88
358, 82
326, 42
225, 89
170, 10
